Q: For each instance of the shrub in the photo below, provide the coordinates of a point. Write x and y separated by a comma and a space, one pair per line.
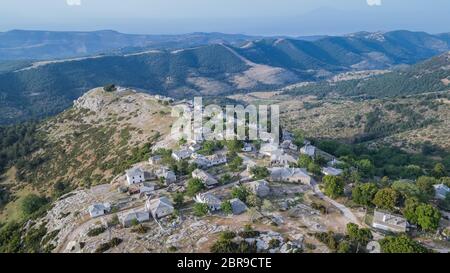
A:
33, 203
96, 231
200, 210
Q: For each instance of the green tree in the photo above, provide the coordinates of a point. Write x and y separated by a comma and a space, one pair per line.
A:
386, 198
304, 161
409, 211
426, 187
194, 186
234, 146
241, 193
360, 236
259, 172
314, 168
200, 209
334, 186
344, 247
406, 188
366, 167
110, 88
412, 171
439, 170
363, 194
33, 203
299, 137
428, 217
236, 164
401, 244
178, 199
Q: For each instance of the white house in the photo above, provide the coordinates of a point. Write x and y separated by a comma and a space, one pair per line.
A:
135, 176
159, 207
182, 154
389, 222
441, 191
238, 206
260, 188
97, 210
205, 177
308, 150
127, 219
331, 171
293, 175
209, 199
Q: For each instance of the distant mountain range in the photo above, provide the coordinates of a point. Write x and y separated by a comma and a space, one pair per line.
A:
209, 65
45, 45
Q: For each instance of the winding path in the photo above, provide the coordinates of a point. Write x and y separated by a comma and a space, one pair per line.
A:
346, 212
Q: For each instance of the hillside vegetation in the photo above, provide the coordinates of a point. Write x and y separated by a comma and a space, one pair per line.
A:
430, 76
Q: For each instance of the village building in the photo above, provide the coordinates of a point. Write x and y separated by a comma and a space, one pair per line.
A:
159, 207
286, 135
269, 149
147, 188
247, 147
266, 136
155, 160
261, 188
332, 171
282, 159
181, 154
237, 206
441, 191
201, 162
195, 147
128, 219
288, 145
294, 175
205, 177
334, 162
167, 175
308, 150
135, 176
213, 203
217, 159
97, 210
389, 222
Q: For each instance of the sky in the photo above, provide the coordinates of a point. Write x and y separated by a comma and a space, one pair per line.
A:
257, 17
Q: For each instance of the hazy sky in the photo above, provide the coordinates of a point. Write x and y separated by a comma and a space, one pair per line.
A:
264, 17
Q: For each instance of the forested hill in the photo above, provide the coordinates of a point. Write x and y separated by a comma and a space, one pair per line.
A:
46, 88
430, 76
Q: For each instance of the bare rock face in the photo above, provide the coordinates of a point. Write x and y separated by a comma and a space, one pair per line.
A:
93, 100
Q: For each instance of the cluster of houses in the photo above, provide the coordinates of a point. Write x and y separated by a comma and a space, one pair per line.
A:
189, 153
260, 188
157, 208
